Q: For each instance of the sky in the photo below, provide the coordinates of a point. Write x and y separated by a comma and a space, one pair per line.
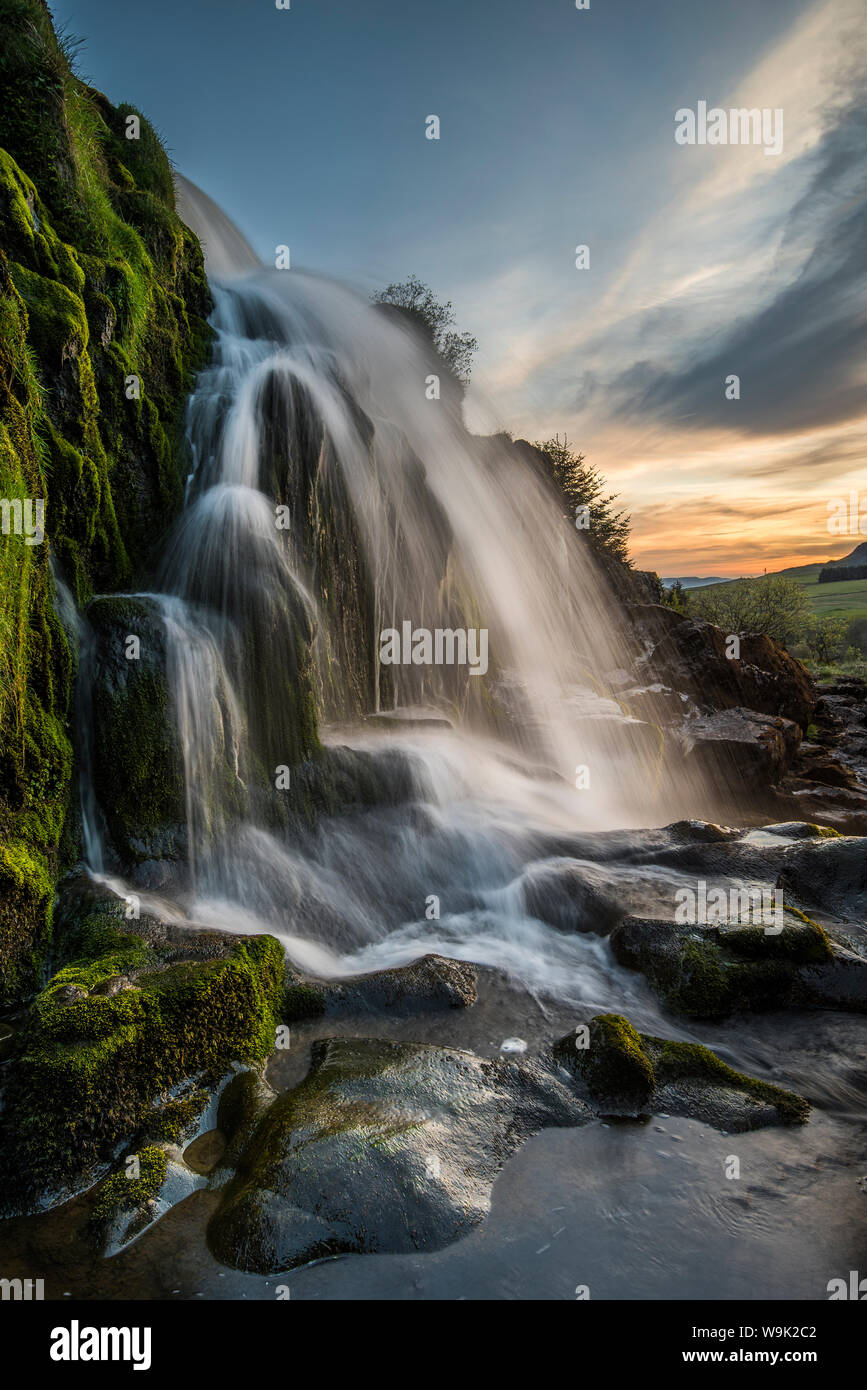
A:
557, 129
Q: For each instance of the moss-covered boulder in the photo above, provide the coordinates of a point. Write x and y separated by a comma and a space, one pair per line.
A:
137, 1010
712, 971
626, 1073
613, 1065
100, 284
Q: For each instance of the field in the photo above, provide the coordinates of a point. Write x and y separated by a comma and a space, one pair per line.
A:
846, 599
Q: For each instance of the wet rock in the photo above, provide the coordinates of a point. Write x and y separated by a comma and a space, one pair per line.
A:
570, 896
738, 747
242, 1104
384, 1147
712, 971
429, 984
127, 1205
205, 1153
612, 1064
799, 830
839, 983
631, 1074
657, 704
702, 832
830, 873
394, 1147
137, 758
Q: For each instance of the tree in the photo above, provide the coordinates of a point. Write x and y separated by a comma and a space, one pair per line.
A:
825, 638
417, 302
581, 486
773, 605
676, 597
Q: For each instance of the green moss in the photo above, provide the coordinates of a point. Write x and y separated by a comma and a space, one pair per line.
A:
673, 1061
172, 1120
624, 1068
712, 972
614, 1066
99, 280
121, 1193
803, 943
87, 1071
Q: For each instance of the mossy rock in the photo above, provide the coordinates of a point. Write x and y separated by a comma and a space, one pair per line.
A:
121, 1193
627, 1073
675, 1063
613, 1066
383, 1147
91, 1063
710, 972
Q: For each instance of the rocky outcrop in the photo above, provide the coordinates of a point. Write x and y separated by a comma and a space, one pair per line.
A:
690, 656
712, 971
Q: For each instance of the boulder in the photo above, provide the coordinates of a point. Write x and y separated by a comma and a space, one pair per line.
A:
829, 873
689, 655
738, 748
383, 1147
424, 986
714, 971
570, 896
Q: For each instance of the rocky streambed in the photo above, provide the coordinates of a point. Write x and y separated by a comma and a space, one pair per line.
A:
233, 1124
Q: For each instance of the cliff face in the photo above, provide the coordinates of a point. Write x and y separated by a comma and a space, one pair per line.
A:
103, 300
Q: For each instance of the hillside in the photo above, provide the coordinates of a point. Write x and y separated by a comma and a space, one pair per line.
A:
846, 599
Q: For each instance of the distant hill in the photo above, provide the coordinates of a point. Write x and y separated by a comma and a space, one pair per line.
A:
846, 571
695, 581
845, 598
858, 556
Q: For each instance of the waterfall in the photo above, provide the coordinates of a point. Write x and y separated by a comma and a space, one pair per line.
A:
332, 500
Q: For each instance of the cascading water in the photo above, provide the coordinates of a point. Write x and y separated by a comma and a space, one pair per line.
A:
331, 500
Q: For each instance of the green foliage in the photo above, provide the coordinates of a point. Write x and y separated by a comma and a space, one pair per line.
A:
582, 486
417, 303
825, 638
772, 604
